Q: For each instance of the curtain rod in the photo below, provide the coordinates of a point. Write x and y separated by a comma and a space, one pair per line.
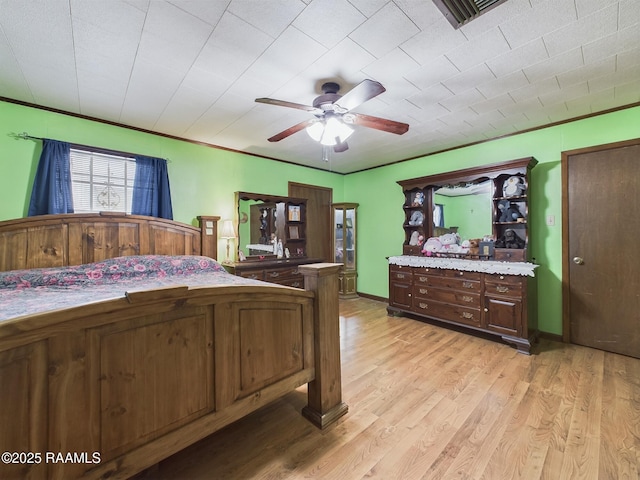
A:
108, 151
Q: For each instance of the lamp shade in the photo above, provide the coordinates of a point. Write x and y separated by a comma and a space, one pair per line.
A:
329, 132
227, 230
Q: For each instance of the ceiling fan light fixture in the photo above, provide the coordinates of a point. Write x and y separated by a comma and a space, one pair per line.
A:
315, 130
329, 133
335, 131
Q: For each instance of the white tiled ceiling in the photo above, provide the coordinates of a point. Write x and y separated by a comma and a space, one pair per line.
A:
192, 68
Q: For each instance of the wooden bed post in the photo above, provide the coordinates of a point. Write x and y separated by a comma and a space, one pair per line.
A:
325, 403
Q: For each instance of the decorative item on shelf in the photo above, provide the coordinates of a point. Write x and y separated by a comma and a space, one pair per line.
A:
417, 218
279, 250
414, 240
293, 232
227, 233
510, 239
294, 213
431, 246
509, 211
514, 186
486, 248
418, 199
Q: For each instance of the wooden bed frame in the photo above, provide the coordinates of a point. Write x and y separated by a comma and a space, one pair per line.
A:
108, 389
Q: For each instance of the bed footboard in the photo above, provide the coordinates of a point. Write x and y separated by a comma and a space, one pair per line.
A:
108, 389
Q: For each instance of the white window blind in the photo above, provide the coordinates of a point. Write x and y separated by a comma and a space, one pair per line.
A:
101, 182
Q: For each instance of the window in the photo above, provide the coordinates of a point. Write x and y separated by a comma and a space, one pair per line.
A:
101, 182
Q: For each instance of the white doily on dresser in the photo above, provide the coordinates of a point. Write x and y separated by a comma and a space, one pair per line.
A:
483, 266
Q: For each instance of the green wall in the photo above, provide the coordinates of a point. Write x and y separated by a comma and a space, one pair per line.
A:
204, 179
380, 214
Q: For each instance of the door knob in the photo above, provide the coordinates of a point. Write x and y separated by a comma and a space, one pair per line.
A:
578, 260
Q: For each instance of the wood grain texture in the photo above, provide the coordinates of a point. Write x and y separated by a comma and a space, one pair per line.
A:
426, 402
73, 239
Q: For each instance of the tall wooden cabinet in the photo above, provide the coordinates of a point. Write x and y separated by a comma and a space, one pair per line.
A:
344, 251
493, 293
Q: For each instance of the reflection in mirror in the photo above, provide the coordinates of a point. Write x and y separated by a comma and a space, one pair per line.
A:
465, 210
345, 241
263, 226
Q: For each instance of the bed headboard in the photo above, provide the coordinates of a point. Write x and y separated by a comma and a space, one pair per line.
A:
73, 239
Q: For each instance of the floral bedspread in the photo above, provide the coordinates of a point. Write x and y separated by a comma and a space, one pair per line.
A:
25, 292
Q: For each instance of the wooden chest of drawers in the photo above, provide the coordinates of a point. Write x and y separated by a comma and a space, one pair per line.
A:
498, 304
282, 272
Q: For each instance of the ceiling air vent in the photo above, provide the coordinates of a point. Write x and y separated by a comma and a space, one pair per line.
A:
459, 12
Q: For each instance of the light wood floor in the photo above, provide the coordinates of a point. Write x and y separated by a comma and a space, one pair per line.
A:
426, 402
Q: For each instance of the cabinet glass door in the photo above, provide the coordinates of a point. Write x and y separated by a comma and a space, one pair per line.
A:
344, 240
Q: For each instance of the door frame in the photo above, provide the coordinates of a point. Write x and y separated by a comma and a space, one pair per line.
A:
327, 241
566, 286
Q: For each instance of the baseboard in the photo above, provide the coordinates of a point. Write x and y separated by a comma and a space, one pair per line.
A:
551, 336
373, 297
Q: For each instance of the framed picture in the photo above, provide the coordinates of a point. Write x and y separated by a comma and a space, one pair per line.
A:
294, 213
300, 252
293, 232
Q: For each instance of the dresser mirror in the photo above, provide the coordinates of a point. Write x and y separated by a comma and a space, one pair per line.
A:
262, 223
463, 209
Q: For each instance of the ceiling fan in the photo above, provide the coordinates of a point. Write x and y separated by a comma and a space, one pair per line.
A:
333, 115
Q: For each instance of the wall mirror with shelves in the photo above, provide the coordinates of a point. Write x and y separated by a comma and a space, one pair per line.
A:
270, 226
490, 200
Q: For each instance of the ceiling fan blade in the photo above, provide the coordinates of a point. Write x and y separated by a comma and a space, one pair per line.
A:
365, 90
378, 123
283, 103
292, 130
341, 147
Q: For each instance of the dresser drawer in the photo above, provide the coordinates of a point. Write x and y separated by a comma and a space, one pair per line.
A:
253, 274
464, 299
291, 282
506, 285
448, 282
400, 274
460, 274
438, 272
276, 274
509, 254
444, 311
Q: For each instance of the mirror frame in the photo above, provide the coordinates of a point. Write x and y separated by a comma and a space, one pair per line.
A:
258, 197
464, 176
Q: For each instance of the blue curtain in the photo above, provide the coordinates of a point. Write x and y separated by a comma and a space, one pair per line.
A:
151, 193
51, 191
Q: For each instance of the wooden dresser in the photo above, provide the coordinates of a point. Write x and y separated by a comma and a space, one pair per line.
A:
497, 298
490, 288
282, 272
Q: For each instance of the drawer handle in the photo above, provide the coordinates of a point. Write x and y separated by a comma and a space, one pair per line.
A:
423, 291
467, 284
296, 272
400, 275
467, 315
502, 289
253, 276
424, 306
501, 277
467, 298
424, 279
274, 274
461, 273
296, 284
